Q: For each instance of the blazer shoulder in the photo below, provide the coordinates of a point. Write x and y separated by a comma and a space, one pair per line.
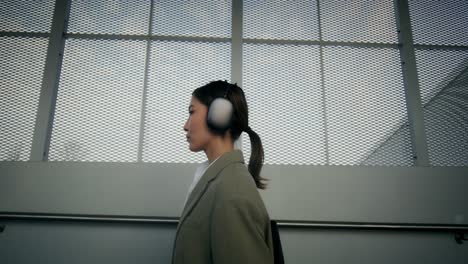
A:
235, 182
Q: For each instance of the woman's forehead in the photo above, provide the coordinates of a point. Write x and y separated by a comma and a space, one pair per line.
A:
194, 101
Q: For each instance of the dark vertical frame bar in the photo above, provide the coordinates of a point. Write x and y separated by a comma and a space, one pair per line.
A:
411, 84
50, 82
236, 42
322, 85
145, 86
236, 47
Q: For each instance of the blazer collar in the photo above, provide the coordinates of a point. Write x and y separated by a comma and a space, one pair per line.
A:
210, 174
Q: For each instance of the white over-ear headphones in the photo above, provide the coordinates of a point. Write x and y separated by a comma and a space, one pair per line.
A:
220, 113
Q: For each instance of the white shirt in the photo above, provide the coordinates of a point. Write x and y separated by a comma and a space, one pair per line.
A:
198, 174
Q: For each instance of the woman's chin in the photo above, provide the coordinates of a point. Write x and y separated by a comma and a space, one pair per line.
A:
194, 148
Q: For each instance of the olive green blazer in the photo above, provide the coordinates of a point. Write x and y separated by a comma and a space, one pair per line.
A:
224, 219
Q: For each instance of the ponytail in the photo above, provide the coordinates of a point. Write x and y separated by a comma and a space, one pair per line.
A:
256, 158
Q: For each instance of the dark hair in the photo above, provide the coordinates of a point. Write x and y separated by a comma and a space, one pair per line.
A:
239, 122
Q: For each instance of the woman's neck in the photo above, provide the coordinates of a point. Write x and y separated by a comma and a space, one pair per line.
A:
218, 147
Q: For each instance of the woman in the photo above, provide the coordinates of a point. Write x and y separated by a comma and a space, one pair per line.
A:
224, 219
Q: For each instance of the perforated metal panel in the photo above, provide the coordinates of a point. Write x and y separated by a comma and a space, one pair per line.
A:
110, 17
201, 18
97, 117
439, 22
278, 19
443, 79
21, 68
26, 15
366, 107
436, 69
358, 21
395, 150
176, 69
282, 86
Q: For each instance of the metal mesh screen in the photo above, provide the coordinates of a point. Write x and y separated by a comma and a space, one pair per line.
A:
366, 107
26, 15
443, 79
282, 86
202, 18
280, 19
396, 149
21, 69
358, 21
436, 69
176, 69
98, 110
110, 17
437, 22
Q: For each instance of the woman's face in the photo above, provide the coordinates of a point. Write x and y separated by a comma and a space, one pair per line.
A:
198, 134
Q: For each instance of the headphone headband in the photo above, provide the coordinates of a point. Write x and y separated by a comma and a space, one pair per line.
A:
228, 87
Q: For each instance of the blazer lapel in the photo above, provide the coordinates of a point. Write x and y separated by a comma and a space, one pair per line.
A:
210, 174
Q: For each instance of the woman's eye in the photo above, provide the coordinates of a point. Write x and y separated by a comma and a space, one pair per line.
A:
190, 112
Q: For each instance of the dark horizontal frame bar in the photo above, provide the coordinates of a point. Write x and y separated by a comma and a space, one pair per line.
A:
146, 37
24, 34
440, 47
221, 39
260, 41
320, 43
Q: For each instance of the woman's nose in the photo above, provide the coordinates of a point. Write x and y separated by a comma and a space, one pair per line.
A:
186, 125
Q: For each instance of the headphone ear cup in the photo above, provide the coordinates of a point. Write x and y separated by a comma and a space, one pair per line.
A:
220, 114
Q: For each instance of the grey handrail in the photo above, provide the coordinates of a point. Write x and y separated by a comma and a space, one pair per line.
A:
459, 230
91, 218
281, 223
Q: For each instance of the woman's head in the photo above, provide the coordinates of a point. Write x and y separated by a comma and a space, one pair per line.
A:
239, 119
202, 100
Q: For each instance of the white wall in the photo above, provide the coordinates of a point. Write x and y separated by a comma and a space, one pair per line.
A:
417, 195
